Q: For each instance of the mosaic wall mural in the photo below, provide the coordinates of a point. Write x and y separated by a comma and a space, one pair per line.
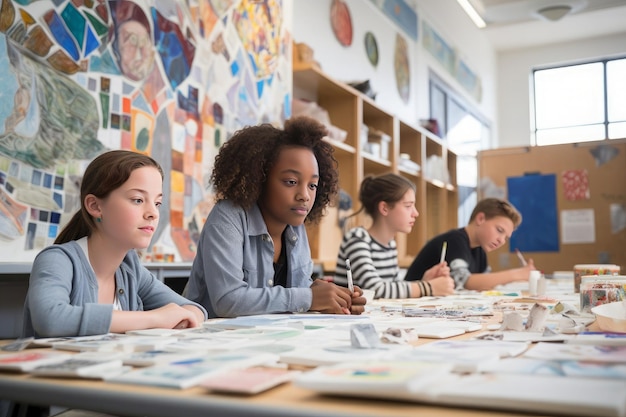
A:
171, 79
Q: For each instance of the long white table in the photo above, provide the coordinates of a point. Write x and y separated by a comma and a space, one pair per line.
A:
131, 400
286, 400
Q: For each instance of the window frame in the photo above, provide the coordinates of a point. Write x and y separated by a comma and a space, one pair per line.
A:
468, 195
436, 82
604, 61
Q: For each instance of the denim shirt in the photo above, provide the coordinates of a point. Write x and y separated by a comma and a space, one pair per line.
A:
233, 271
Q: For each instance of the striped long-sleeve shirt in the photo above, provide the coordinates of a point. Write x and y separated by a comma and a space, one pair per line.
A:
374, 266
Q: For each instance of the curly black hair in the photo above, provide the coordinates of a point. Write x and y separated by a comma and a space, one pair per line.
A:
244, 161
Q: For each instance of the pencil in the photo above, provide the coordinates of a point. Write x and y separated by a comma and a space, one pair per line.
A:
444, 247
349, 275
521, 257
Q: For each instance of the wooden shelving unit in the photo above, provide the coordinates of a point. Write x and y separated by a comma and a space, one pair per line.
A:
350, 110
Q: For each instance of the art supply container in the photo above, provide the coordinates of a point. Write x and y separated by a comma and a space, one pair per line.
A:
592, 269
596, 290
533, 283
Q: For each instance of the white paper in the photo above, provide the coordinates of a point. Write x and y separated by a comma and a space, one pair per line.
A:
578, 226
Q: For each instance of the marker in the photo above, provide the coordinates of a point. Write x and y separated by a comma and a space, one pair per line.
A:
443, 252
349, 275
521, 257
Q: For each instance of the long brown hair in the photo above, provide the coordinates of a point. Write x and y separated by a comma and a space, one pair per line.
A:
389, 188
106, 173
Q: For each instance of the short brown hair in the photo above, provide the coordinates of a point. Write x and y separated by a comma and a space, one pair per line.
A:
495, 207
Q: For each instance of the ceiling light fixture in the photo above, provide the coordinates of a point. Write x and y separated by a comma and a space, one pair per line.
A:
472, 13
554, 13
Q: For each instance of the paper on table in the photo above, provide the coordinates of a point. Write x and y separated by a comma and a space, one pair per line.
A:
406, 381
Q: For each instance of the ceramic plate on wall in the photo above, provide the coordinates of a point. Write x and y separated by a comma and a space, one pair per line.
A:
341, 22
401, 68
371, 48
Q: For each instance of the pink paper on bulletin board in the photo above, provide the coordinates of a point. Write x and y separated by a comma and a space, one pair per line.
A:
575, 184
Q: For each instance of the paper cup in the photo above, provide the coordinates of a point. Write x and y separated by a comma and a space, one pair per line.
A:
592, 269
533, 283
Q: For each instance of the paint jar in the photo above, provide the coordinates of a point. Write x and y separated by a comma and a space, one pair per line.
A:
596, 290
533, 283
593, 269
541, 286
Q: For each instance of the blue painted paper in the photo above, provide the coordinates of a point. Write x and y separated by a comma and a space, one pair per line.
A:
535, 197
401, 13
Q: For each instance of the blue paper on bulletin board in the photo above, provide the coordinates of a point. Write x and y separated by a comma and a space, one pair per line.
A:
535, 197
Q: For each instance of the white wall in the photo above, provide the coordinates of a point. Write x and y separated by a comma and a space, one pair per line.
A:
311, 25
514, 76
505, 76
471, 45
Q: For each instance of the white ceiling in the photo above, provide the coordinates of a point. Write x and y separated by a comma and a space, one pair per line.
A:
515, 24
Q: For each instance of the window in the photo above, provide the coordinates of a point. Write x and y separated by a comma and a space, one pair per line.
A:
466, 132
580, 103
459, 124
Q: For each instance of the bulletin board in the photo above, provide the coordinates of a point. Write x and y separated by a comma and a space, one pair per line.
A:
587, 201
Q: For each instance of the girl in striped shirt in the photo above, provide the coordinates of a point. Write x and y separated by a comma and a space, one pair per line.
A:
389, 199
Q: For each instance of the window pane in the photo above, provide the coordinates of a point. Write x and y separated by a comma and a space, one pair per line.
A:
466, 136
438, 108
466, 171
616, 87
570, 135
569, 96
617, 130
465, 132
455, 114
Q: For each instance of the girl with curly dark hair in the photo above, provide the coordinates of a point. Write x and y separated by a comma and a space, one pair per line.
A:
253, 255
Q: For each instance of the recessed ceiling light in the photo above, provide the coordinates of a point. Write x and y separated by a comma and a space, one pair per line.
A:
554, 13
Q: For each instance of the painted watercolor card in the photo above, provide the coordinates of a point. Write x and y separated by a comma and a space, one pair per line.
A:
83, 366
190, 372
248, 381
426, 383
26, 361
577, 352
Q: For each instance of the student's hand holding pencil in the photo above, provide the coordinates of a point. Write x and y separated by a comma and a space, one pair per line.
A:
437, 278
439, 270
358, 301
523, 273
333, 299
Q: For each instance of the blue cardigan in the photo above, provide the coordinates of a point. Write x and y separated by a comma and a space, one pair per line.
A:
62, 298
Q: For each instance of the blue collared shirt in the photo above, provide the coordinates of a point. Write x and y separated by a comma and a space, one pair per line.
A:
233, 271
